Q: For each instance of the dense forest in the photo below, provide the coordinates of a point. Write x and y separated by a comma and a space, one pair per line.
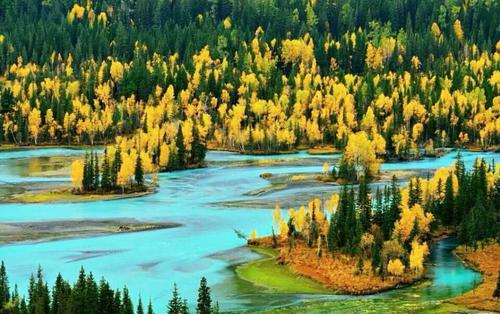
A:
161, 79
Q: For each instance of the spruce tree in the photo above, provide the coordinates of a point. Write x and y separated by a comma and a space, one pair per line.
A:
106, 301
115, 167
140, 309
4, 285
105, 177
198, 150
204, 299
448, 207
139, 172
127, 306
91, 169
364, 205
181, 150
86, 174
175, 303
96, 178
150, 308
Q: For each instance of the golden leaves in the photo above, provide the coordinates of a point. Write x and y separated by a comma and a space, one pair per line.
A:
77, 173
395, 267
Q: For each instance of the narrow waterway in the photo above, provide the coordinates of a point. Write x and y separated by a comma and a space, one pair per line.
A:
206, 245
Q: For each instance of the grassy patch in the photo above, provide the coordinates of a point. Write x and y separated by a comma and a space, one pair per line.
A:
323, 150
64, 196
267, 273
379, 305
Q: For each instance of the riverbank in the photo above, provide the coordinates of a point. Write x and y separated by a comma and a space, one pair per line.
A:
486, 260
338, 273
42, 231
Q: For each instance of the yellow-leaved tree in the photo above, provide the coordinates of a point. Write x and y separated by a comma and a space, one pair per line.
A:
77, 173
362, 153
395, 267
417, 256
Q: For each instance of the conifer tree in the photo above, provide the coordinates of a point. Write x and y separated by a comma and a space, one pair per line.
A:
105, 177
4, 285
115, 167
127, 306
181, 150
96, 178
204, 299
140, 309
150, 308
139, 172
175, 303
364, 205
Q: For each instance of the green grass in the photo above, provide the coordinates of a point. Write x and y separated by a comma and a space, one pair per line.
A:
380, 305
64, 196
276, 278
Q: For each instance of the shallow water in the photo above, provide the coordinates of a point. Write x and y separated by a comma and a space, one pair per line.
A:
150, 262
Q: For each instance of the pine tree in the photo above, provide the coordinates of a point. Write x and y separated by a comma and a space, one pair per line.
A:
175, 303
204, 299
181, 150
448, 207
96, 178
184, 307
115, 167
139, 310
313, 229
86, 174
106, 301
376, 256
127, 306
364, 205
198, 150
91, 173
139, 172
105, 177
150, 308
4, 285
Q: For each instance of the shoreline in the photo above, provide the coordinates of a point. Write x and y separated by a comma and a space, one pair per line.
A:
486, 261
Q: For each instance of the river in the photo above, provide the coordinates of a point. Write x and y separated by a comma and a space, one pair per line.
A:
206, 245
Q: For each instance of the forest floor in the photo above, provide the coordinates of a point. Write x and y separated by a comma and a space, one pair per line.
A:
338, 273
41, 231
486, 259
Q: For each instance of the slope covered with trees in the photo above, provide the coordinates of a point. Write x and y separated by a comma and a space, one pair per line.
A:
400, 77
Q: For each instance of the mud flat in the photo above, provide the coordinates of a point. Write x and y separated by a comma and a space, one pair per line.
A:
42, 231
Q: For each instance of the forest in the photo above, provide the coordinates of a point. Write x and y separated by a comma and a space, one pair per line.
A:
145, 87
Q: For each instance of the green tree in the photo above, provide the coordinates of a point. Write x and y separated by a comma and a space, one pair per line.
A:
181, 150
139, 172
204, 299
175, 303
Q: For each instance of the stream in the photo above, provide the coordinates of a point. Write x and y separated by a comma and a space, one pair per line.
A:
149, 263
